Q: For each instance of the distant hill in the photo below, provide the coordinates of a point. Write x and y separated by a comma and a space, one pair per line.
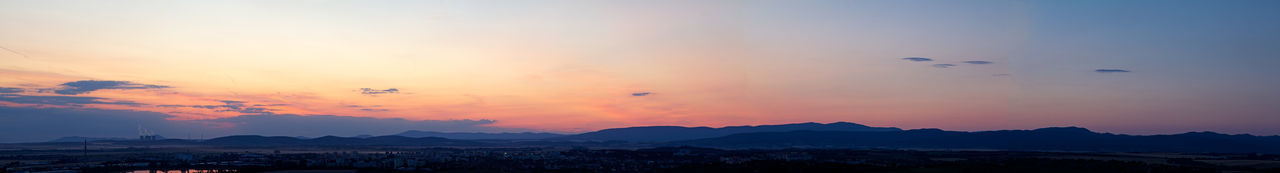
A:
1056, 138
82, 139
675, 133
472, 135
254, 140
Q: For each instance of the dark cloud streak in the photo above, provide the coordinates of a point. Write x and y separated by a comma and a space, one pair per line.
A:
371, 91
62, 100
917, 59
10, 90
1111, 71
978, 62
86, 86
230, 106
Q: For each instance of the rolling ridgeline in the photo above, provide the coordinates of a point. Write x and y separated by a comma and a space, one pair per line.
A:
801, 135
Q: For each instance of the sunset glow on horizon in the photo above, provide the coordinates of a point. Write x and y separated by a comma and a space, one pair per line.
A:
578, 66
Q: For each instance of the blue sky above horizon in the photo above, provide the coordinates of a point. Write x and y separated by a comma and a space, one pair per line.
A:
1134, 67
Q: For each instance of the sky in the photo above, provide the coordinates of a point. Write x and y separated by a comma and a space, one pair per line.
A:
317, 67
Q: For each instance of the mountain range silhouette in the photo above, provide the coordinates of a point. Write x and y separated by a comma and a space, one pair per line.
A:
1044, 139
800, 135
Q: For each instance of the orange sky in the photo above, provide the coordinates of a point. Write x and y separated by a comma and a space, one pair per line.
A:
572, 67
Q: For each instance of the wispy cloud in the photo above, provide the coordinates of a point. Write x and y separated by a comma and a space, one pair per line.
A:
1111, 71
370, 108
10, 90
230, 106
278, 104
917, 59
978, 62
371, 91
86, 86
641, 94
62, 100
944, 65
256, 110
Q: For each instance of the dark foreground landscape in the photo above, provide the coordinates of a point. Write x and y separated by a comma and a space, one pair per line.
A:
804, 147
580, 159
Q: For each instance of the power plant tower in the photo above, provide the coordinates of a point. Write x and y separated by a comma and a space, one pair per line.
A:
146, 135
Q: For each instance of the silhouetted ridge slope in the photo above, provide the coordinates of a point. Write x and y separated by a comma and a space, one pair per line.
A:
472, 135
674, 133
1055, 138
254, 140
